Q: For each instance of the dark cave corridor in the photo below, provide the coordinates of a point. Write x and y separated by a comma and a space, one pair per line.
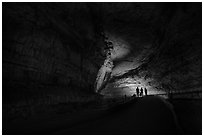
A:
66, 58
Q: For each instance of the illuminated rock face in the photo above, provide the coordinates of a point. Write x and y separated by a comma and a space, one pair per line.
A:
170, 60
120, 50
103, 74
53, 54
156, 44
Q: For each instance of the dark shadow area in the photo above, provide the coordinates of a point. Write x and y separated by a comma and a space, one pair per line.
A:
75, 68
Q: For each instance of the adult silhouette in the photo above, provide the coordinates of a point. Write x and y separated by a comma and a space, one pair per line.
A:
141, 92
137, 91
145, 90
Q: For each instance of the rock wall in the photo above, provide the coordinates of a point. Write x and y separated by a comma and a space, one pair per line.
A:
177, 54
43, 48
173, 62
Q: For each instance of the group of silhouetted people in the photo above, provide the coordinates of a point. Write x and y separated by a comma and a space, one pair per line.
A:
139, 92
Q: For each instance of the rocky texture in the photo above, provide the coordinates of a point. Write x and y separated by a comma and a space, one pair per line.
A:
172, 61
42, 48
59, 44
51, 55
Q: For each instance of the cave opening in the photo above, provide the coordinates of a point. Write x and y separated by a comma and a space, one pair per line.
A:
76, 68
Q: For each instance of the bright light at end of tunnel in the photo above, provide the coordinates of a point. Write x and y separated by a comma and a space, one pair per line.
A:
150, 90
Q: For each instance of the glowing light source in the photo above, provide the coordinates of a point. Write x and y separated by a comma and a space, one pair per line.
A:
129, 86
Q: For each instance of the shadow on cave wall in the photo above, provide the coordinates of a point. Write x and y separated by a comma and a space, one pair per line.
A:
46, 56
52, 51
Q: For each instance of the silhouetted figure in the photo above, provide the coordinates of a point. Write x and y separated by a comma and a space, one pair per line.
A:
145, 90
141, 92
137, 91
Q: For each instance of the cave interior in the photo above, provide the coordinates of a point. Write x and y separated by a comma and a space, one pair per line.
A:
69, 58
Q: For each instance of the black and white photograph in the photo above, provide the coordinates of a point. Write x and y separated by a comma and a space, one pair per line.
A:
101, 68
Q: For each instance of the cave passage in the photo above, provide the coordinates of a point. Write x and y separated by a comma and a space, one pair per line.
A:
102, 68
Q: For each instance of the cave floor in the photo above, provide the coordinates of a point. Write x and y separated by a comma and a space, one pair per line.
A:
147, 115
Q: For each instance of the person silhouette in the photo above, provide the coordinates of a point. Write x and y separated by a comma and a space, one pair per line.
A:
141, 92
137, 92
145, 90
